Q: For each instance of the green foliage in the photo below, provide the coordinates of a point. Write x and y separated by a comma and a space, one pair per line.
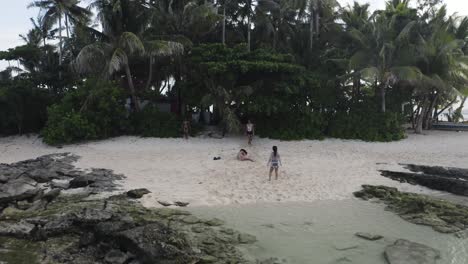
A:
292, 127
367, 126
64, 127
94, 110
151, 122
23, 107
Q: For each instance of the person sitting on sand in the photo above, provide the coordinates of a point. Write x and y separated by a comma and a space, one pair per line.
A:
186, 128
243, 155
250, 130
274, 162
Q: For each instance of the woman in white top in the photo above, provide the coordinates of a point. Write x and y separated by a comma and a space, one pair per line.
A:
274, 162
250, 130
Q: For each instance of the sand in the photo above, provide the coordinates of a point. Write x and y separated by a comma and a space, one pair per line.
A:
180, 170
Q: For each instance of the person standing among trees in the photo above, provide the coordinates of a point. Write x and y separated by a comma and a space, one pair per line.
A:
250, 130
186, 128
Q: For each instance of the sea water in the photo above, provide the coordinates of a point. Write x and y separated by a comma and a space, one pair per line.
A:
324, 232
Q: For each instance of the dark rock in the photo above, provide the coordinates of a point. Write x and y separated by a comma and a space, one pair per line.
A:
141, 242
368, 236
452, 184
164, 203
20, 229
181, 204
18, 190
81, 181
3, 179
442, 216
406, 252
42, 175
116, 257
87, 239
137, 193
59, 226
90, 216
51, 195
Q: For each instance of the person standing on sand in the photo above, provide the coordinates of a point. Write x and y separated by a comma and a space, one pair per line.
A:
250, 129
274, 162
186, 128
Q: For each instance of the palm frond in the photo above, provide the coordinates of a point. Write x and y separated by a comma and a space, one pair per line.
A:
131, 43
118, 61
164, 48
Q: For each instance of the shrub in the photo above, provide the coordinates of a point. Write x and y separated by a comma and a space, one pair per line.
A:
94, 110
151, 122
64, 127
367, 126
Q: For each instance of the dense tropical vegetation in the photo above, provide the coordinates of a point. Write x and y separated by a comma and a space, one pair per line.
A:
298, 68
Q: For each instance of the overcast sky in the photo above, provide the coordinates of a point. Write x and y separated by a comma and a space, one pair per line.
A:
14, 18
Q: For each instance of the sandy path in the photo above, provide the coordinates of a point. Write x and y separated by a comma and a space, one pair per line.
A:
174, 169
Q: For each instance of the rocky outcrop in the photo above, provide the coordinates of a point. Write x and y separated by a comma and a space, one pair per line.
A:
43, 223
406, 252
453, 180
442, 216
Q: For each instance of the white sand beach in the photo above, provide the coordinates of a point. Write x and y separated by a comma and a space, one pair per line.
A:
179, 170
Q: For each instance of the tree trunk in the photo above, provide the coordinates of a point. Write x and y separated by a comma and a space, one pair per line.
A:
67, 27
60, 46
420, 117
131, 87
459, 110
445, 108
150, 74
224, 23
383, 106
311, 26
427, 124
317, 19
248, 33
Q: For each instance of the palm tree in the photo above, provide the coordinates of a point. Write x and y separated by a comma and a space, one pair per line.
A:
56, 11
383, 56
443, 63
119, 45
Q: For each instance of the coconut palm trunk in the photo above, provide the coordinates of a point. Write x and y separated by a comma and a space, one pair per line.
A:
383, 104
131, 87
150, 74
311, 27
248, 33
224, 24
67, 26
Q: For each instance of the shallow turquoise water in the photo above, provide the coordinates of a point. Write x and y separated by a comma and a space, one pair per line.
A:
315, 232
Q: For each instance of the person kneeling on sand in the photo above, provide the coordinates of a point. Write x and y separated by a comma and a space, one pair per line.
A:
274, 162
243, 155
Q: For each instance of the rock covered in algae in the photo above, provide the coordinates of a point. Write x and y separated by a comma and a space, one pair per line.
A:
407, 252
441, 215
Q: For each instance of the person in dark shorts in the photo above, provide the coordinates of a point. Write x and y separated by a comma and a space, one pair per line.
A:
274, 162
186, 128
250, 130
